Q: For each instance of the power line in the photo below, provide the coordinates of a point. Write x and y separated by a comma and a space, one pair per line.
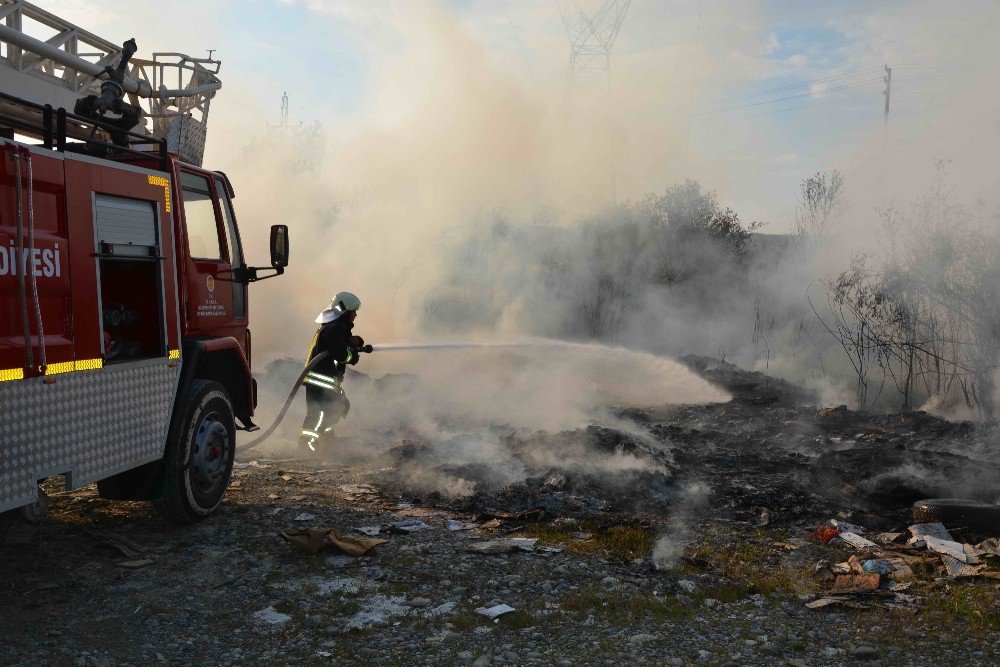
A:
517, 38
791, 97
867, 95
792, 86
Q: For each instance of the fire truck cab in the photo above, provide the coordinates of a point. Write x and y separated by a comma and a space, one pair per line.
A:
125, 345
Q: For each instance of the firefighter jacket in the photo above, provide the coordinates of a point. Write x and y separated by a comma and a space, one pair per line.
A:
336, 338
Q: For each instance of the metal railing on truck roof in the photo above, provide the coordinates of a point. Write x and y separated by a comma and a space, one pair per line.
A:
56, 127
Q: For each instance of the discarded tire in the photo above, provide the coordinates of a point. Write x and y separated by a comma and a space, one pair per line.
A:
979, 517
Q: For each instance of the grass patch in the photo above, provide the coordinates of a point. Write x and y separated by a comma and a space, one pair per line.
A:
747, 564
975, 606
615, 542
625, 608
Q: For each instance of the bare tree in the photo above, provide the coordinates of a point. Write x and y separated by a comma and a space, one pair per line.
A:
820, 204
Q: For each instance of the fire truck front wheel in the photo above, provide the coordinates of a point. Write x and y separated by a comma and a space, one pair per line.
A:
200, 452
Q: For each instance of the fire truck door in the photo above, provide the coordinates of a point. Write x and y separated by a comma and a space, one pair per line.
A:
210, 304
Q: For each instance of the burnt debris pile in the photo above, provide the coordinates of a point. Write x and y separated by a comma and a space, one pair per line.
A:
770, 456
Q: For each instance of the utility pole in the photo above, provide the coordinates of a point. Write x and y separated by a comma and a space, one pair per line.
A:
284, 110
887, 91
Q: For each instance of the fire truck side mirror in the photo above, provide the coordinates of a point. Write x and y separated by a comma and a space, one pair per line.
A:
279, 246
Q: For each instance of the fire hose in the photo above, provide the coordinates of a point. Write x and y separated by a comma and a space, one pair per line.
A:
24, 261
288, 401
313, 363
31, 261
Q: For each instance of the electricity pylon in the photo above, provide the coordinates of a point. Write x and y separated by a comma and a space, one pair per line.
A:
591, 37
590, 42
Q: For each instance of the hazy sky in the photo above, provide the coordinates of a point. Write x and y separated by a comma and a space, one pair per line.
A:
711, 68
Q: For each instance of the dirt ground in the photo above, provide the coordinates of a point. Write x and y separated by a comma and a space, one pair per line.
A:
703, 559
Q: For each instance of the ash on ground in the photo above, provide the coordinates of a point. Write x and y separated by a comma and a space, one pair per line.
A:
765, 530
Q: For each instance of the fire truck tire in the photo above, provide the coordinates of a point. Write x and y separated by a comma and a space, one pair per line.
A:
200, 453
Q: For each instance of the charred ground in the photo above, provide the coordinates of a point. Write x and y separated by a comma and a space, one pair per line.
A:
724, 496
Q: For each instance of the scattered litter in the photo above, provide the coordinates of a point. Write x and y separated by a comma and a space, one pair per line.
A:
949, 548
495, 612
878, 566
454, 526
787, 546
370, 531
273, 496
856, 583
408, 526
857, 541
845, 527
885, 577
297, 499
235, 484
582, 536
959, 568
921, 530
127, 547
271, 616
275, 511
990, 547
823, 602
135, 564
504, 546
313, 539
824, 534
305, 516
287, 478
823, 571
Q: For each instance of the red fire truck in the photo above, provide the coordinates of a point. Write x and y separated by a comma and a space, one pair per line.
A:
124, 333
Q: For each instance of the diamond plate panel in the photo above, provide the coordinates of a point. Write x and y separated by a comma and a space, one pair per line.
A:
89, 425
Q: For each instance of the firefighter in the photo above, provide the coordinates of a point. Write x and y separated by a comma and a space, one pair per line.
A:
326, 403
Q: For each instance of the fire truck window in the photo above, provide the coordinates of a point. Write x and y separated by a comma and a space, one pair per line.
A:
232, 241
235, 252
199, 212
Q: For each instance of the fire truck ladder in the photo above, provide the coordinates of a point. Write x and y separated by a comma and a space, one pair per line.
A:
50, 61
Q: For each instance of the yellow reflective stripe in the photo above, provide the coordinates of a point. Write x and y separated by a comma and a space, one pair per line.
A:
11, 374
89, 364
165, 184
174, 354
56, 369
317, 383
350, 356
311, 433
320, 376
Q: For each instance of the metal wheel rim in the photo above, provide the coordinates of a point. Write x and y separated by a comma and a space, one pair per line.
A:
211, 446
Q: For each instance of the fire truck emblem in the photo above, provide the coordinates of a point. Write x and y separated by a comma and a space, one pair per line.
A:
210, 281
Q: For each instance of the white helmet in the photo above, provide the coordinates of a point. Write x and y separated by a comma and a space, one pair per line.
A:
343, 302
